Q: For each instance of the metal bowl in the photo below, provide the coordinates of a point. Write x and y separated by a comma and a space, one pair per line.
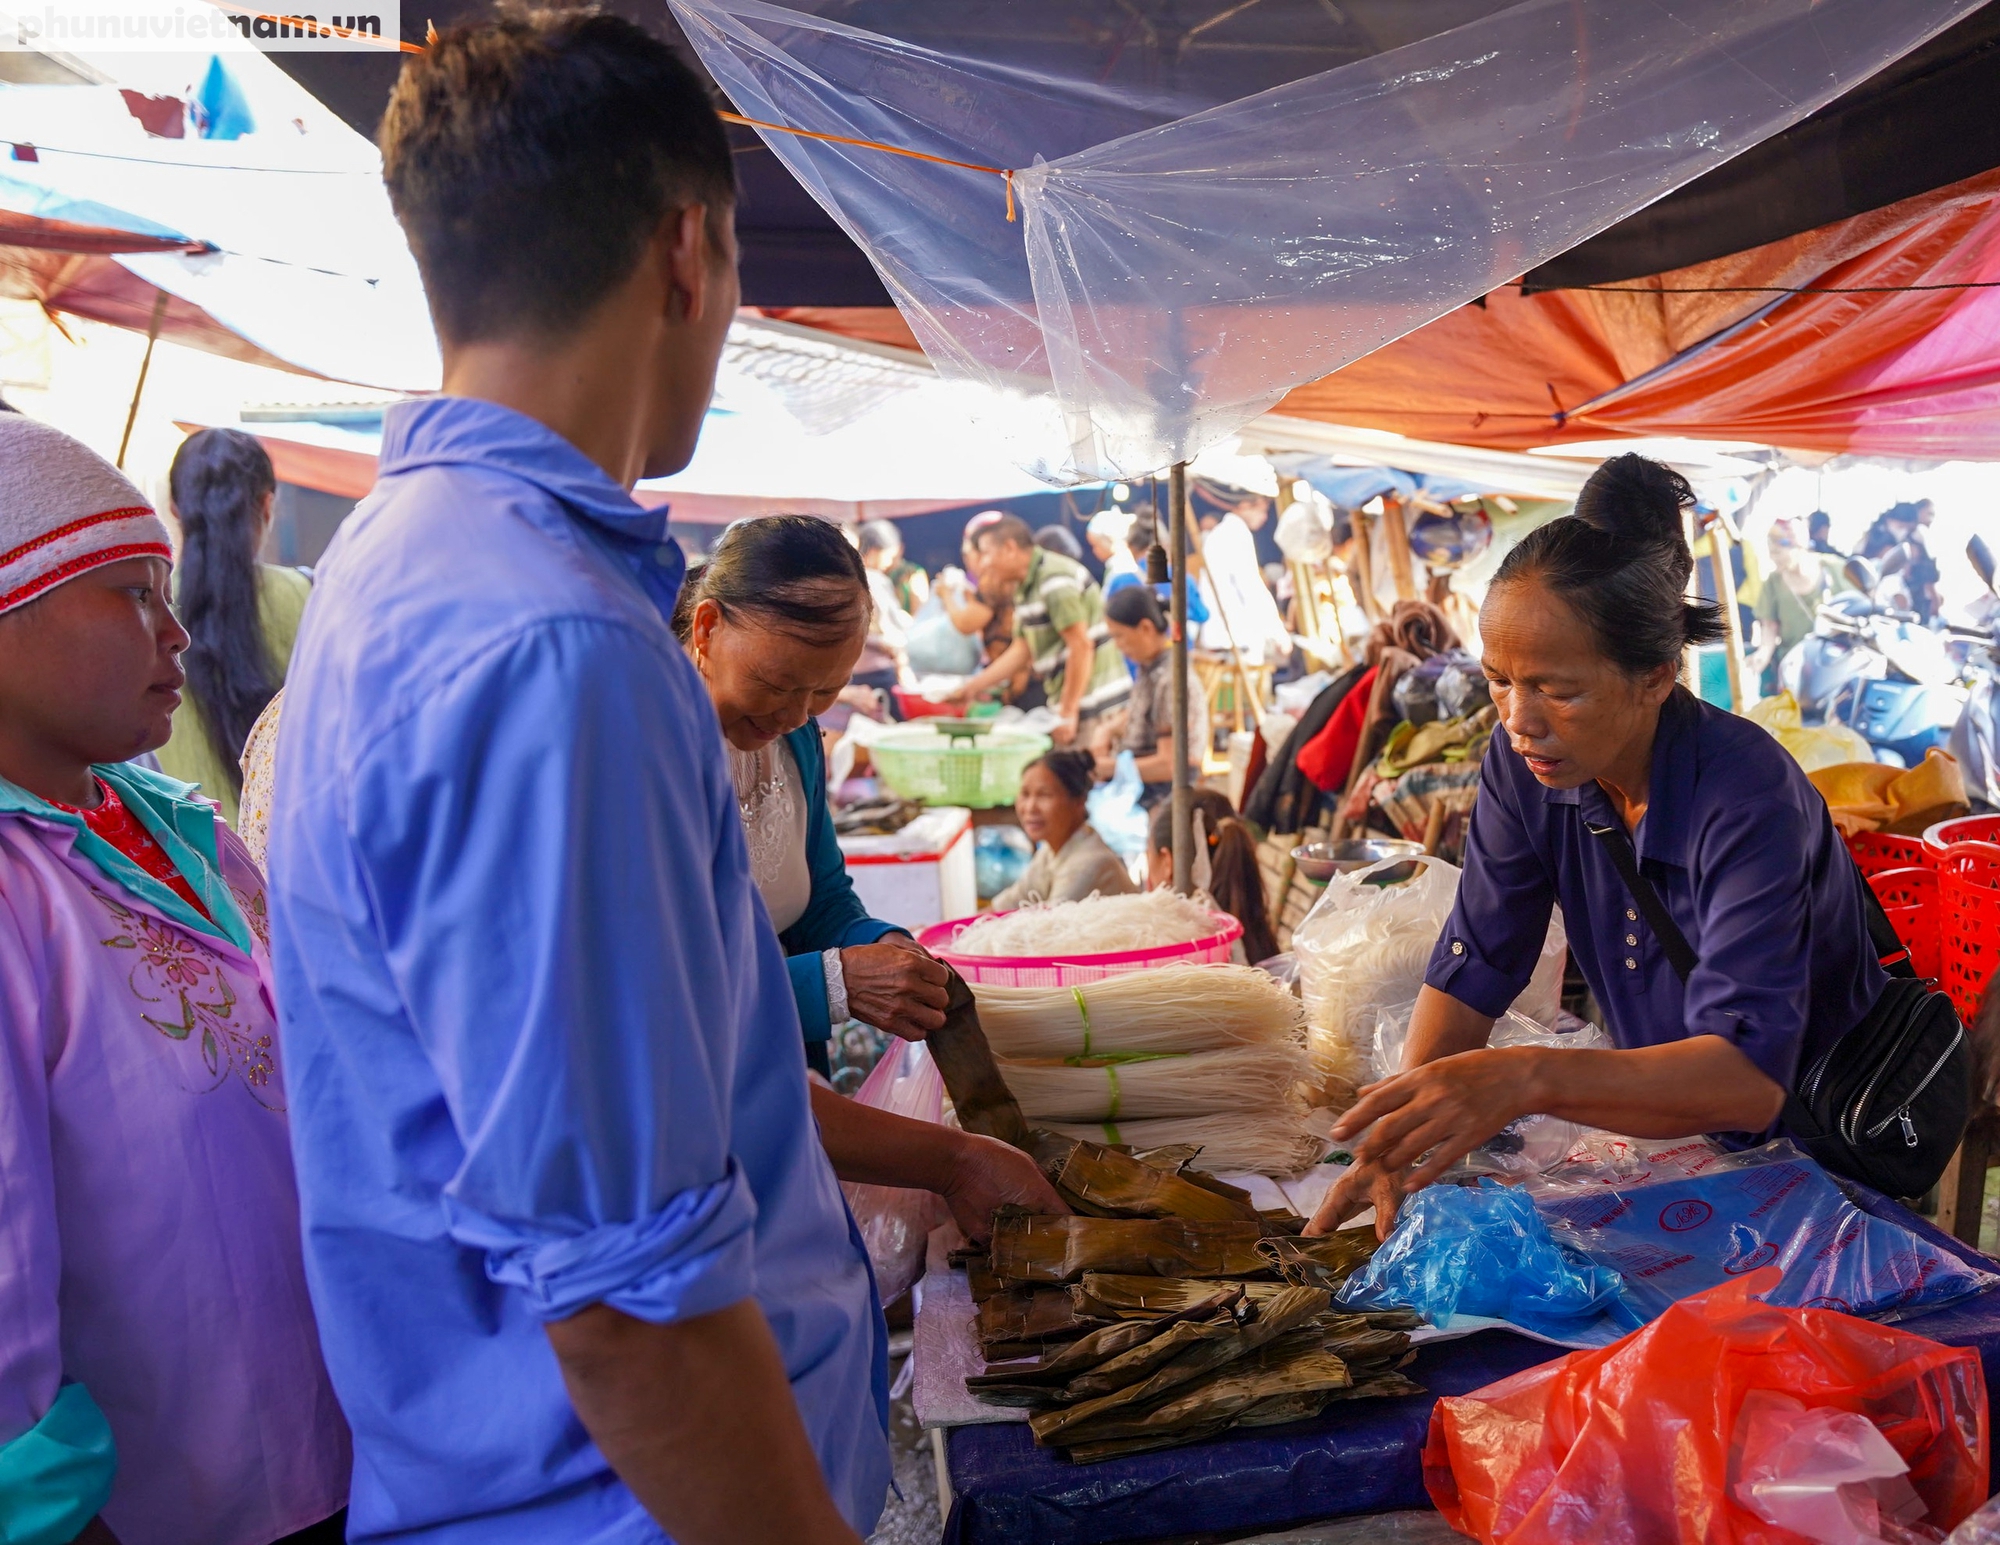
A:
1321, 861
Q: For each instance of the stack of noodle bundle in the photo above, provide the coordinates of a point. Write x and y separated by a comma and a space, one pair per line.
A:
1167, 1009
1145, 1086
1208, 1056
1097, 925
1258, 1142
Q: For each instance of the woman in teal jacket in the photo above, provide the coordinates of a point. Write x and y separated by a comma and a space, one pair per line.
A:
774, 622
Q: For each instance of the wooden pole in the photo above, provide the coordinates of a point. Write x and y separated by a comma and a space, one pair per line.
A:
1396, 538
1364, 568
1183, 797
145, 364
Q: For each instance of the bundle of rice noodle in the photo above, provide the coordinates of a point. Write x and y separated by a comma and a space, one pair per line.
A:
1097, 925
1274, 1141
1143, 1086
1168, 1009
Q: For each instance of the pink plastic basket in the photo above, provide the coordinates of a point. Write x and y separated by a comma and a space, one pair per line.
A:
1073, 970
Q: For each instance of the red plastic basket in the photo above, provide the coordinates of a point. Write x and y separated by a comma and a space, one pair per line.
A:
1877, 851
1966, 828
1969, 884
1910, 898
916, 706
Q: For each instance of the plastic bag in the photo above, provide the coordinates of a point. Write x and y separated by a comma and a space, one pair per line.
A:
1483, 1250
1462, 686
1770, 1205
1364, 946
895, 1222
1812, 747
1823, 1473
1115, 813
1982, 1528
1630, 1443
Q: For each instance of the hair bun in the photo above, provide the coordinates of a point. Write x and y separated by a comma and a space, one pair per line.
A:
1640, 500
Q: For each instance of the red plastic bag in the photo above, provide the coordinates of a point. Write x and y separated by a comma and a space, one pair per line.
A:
1640, 1442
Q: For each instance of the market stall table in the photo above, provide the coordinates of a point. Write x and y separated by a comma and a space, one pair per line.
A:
1355, 1458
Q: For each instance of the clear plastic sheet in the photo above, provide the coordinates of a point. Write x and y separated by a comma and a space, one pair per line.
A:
1770, 1205
1186, 253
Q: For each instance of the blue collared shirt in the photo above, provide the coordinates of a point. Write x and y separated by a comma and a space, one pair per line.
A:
1740, 848
540, 1041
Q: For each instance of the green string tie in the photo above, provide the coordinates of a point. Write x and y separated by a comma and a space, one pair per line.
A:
1111, 1136
1083, 1012
1111, 1072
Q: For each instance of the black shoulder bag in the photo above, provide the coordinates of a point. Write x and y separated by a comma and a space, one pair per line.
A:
1888, 1102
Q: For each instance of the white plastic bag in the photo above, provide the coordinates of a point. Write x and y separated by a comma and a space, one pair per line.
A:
1826, 1474
1115, 814
895, 1222
1364, 948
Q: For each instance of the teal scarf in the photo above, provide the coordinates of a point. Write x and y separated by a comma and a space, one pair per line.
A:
180, 823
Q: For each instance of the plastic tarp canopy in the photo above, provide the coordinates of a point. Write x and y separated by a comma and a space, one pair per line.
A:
1171, 276
1360, 1456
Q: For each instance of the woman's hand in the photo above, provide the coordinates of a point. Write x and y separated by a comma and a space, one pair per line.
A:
985, 1175
895, 985
1363, 1186
1063, 731
1420, 1123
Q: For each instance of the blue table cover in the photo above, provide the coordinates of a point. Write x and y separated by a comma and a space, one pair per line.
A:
1363, 1456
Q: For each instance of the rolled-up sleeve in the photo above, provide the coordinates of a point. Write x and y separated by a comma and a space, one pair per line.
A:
1494, 935
1752, 983
550, 921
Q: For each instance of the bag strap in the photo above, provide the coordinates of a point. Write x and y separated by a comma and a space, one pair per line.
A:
1618, 846
1890, 951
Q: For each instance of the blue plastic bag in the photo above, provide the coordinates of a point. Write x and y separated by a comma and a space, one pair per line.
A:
1115, 812
1485, 1251
1768, 1206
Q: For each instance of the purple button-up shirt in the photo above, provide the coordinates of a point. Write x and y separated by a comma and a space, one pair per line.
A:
1740, 848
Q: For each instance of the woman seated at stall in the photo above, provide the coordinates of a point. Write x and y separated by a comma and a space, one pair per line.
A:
1225, 866
1602, 752
1140, 630
1071, 861
774, 622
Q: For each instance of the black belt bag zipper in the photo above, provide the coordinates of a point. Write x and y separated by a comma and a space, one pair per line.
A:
1888, 1103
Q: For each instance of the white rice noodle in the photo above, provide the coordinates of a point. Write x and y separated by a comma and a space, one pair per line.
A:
1097, 925
1167, 1009
1259, 1142
1200, 1083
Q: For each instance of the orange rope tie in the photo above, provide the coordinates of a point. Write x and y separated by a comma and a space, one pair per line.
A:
868, 144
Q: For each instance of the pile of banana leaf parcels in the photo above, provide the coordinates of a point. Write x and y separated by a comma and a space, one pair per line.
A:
1169, 1309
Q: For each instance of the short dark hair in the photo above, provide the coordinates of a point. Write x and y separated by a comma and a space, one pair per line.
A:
1817, 522
531, 156
1621, 563
1076, 771
794, 574
1130, 605
1060, 540
878, 536
1011, 529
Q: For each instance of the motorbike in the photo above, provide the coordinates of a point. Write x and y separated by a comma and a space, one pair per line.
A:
1975, 739
1876, 669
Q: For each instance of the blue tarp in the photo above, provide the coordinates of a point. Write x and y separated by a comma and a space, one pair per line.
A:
1359, 1457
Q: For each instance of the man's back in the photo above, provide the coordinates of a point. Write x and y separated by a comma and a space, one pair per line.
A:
544, 1053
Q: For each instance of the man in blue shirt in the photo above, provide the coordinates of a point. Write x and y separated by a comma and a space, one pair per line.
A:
581, 1267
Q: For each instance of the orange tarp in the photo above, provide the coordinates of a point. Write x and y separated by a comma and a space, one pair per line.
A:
1912, 373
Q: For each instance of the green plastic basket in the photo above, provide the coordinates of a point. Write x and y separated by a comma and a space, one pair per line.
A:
919, 762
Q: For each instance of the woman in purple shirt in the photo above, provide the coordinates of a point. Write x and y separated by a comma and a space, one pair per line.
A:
1584, 628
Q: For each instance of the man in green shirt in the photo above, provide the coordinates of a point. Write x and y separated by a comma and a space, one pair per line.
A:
1058, 626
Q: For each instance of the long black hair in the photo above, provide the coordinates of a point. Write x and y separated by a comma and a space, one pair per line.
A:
1235, 880
1621, 563
219, 482
795, 574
